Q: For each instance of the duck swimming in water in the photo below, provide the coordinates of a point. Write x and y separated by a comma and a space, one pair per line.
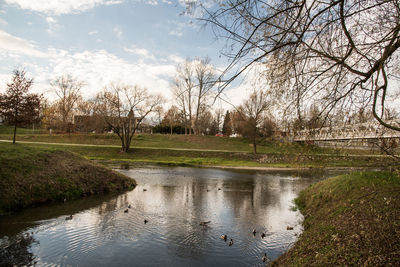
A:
126, 211
129, 206
254, 231
231, 242
69, 217
263, 235
204, 223
264, 258
224, 237
145, 221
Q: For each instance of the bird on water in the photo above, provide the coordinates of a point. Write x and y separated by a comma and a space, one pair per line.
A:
263, 235
264, 258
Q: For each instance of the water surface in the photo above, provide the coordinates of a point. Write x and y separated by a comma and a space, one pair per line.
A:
173, 201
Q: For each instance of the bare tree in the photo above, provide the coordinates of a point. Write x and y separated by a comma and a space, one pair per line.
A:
124, 108
183, 91
193, 83
171, 117
251, 113
67, 89
205, 80
338, 52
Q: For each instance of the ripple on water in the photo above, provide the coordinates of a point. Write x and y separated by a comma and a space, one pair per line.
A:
174, 204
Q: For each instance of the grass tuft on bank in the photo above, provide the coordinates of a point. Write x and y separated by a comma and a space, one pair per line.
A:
350, 220
32, 175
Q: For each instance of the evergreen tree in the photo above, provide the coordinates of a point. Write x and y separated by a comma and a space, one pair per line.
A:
227, 126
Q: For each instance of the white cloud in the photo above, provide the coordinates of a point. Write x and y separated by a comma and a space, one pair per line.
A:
58, 7
178, 27
176, 58
3, 23
13, 44
93, 32
152, 2
118, 31
53, 26
176, 32
100, 68
50, 20
139, 51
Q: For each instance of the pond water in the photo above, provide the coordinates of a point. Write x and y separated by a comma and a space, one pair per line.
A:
174, 201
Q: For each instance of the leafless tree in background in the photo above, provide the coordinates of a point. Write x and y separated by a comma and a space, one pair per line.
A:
67, 89
171, 118
193, 83
124, 108
183, 91
250, 113
205, 80
340, 53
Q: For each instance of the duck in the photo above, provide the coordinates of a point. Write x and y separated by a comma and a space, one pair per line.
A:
69, 217
126, 211
224, 237
145, 221
264, 258
204, 223
289, 228
263, 235
129, 206
144, 189
230, 242
219, 188
254, 231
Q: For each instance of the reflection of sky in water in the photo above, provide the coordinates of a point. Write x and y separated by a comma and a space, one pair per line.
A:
176, 200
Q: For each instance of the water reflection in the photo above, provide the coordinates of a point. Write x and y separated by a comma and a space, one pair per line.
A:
176, 200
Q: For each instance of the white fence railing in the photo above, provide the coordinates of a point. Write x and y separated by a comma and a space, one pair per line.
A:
347, 132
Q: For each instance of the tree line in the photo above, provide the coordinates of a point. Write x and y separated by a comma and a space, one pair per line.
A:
124, 109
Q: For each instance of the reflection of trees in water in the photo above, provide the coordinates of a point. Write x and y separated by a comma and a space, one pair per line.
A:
191, 240
14, 251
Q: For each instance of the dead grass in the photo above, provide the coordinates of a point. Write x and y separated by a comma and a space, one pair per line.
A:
31, 176
350, 220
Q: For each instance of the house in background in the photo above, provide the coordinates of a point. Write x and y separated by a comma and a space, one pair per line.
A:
88, 124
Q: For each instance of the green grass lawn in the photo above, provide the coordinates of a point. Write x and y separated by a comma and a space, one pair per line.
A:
176, 141
213, 158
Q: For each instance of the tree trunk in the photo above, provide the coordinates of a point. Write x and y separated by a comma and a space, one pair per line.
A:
254, 145
15, 125
15, 132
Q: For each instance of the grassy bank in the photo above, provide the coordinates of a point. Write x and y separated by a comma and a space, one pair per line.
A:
350, 220
161, 141
31, 175
221, 158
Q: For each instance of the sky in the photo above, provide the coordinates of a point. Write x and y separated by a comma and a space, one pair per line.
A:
136, 42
